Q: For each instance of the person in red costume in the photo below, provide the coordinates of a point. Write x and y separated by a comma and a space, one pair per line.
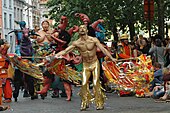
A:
7, 89
124, 50
91, 27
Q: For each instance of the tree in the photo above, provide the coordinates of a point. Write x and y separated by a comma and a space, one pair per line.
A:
116, 13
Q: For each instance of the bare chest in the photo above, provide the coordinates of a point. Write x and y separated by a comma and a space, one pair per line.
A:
86, 46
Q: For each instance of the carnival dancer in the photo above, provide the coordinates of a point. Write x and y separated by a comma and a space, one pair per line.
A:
7, 89
44, 39
87, 46
124, 49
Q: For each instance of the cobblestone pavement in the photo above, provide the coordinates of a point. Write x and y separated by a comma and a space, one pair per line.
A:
114, 104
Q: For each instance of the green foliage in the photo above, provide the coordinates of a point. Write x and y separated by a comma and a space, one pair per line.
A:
115, 13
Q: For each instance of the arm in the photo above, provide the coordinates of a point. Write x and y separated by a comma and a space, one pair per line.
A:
105, 51
55, 37
67, 50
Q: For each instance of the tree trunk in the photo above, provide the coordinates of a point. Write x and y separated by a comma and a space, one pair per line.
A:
161, 17
132, 30
114, 31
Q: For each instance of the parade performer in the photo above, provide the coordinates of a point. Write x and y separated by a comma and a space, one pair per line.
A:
47, 37
63, 39
43, 40
95, 29
25, 48
87, 46
7, 89
124, 50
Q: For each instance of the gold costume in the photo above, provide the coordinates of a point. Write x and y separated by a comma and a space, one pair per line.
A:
85, 95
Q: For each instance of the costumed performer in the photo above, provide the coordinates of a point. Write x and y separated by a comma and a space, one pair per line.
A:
87, 47
6, 85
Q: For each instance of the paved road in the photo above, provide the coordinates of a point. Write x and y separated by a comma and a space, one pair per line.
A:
114, 104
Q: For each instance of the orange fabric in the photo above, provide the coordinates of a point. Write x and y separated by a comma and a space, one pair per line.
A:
7, 89
126, 53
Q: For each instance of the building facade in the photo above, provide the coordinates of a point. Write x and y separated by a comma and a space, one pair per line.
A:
18, 11
8, 23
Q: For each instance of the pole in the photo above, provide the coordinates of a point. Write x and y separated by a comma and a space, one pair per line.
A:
28, 17
149, 19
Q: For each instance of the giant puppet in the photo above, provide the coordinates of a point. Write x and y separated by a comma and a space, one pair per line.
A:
23, 48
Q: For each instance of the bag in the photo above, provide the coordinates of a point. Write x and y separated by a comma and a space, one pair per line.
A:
10, 71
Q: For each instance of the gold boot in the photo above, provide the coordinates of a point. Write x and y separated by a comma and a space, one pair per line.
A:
99, 106
83, 106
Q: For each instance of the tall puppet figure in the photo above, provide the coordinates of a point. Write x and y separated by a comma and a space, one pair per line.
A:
87, 47
23, 48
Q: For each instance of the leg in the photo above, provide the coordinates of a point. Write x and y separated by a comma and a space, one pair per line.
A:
67, 88
48, 79
46, 83
7, 91
98, 93
17, 83
30, 85
57, 85
25, 86
84, 93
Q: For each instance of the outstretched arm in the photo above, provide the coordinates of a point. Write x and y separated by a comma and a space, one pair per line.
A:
105, 51
67, 50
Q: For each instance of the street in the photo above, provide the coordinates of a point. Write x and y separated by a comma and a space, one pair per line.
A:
114, 104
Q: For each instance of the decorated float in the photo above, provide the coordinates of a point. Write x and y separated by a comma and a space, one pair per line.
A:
130, 77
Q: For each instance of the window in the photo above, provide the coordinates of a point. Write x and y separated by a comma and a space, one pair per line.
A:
15, 12
5, 20
4, 3
11, 43
21, 15
10, 21
6, 37
10, 4
18, 13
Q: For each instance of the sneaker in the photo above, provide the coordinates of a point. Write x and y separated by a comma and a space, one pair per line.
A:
34, 97
3, 108
15, 99
7, 101
26, 94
